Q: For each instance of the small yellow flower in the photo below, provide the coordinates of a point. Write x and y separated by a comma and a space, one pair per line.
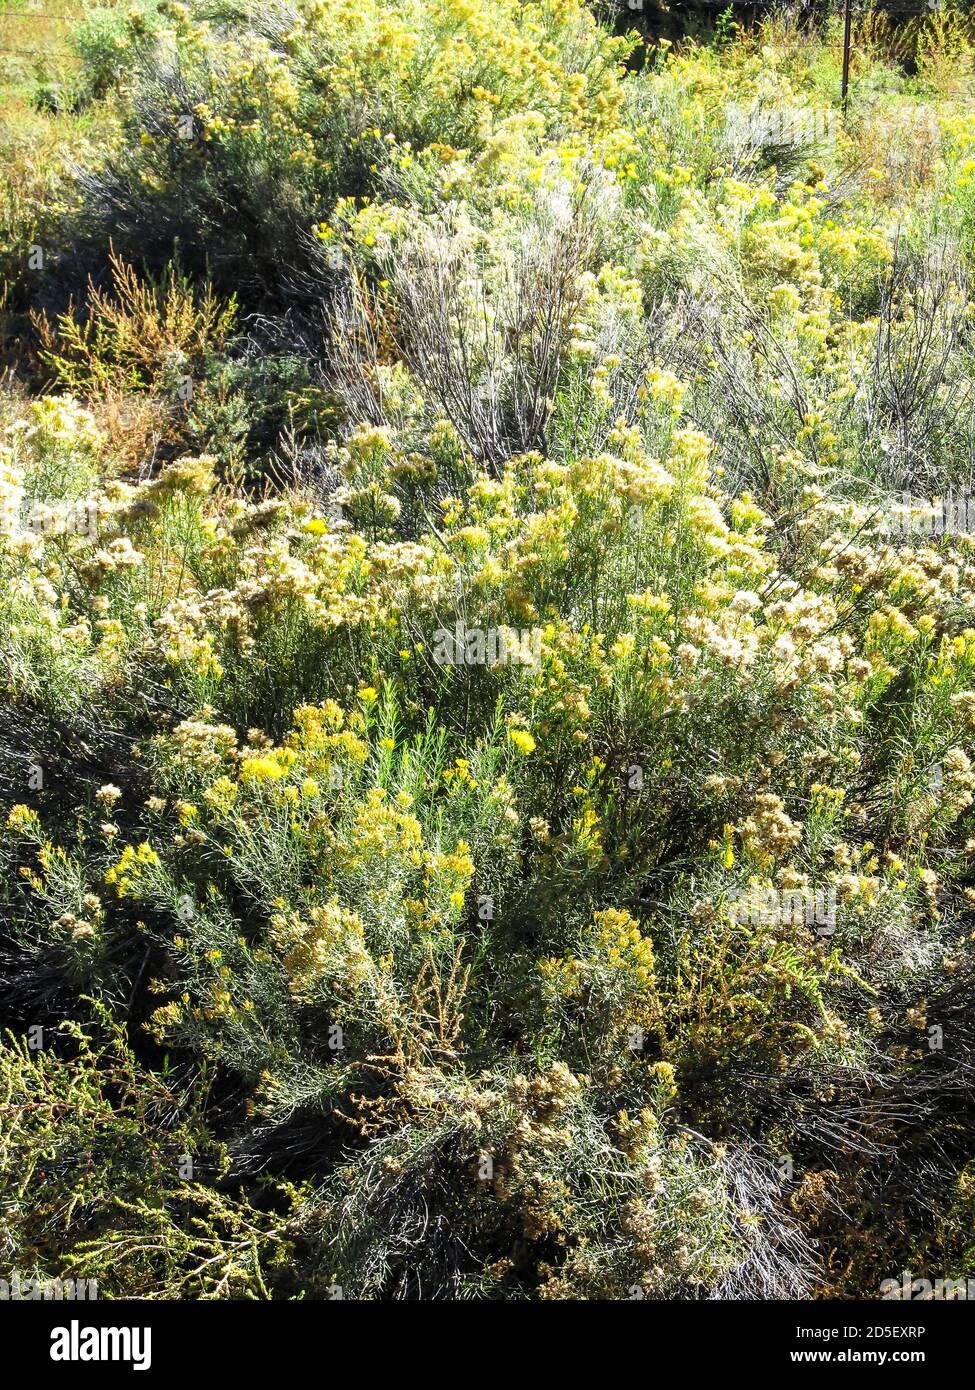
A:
728, 853
522, 740
261, 770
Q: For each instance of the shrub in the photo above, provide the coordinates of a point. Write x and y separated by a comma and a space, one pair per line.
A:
492, 776
129, 1149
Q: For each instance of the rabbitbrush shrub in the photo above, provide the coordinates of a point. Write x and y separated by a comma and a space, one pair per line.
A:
488, 660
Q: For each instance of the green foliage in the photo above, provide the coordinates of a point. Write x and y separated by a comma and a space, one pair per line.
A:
95, 1156
489, 720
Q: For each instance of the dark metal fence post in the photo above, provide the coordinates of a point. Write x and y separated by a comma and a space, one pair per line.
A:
847, 24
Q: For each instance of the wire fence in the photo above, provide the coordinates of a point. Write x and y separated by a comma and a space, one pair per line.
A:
34, 15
